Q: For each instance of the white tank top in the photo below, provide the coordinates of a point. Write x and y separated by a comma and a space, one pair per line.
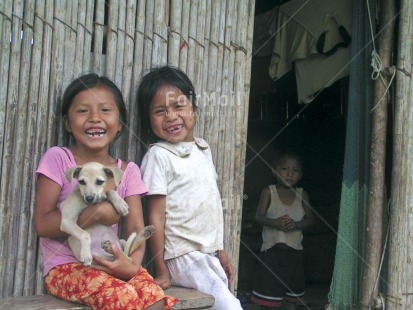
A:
270, 235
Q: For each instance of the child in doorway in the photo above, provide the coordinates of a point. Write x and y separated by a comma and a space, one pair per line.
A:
94, 113
184, 201
284, 211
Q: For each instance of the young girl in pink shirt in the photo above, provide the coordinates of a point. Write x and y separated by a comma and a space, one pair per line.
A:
94, 113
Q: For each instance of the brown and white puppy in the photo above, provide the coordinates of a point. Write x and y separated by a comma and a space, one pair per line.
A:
96, 239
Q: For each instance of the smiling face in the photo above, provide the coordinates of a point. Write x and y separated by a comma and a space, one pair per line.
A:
93, 118
288, 172
172, 115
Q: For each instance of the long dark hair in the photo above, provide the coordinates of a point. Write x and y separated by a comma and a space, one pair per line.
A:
89, 81
149, 86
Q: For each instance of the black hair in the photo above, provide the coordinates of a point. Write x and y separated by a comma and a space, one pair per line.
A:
152, 82
287, 152
89, 81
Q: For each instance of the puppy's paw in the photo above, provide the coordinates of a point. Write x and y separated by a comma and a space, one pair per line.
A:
147, 232
120, 205
86, 257
107, 246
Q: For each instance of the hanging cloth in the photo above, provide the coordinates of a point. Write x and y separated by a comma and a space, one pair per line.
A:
300, 26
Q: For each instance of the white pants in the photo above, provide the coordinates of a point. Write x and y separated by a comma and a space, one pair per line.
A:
204, 273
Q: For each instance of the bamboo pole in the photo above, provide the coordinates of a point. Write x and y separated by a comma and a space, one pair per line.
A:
203, 90
175, 33
160, 35
200, 48
13, 124
88, 36
120, 44
120, 146
5, 30
228, 134
183, 49
242, 71
81, 34
43, 105
112, 36
193, 17
128, 83
55, 130
6, 22
376, 203
137, 153
208, 105
400, 270
22, 141
99, 30
70, 25
148, 34
30, 162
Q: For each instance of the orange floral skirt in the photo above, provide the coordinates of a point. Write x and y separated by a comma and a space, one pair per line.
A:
78, 283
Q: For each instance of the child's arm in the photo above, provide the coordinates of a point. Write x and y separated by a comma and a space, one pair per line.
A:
260, 216
223, 259
308, 219
122, 268
47, 219
157, 207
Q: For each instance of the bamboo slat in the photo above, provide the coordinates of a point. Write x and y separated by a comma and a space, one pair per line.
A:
22, 145
183, 49
45, 13
98, 37
193, 18
111, 45
175, 33
87, 29
203, 90
29, 251
6, 22
81, 34
70, 25
140, 146
200, 50
5, 30
120, 43
400, 241
160, 35
199, 47
376, 204
54, 129
148, 35
210, 105
128, 82
120, 146
12, 133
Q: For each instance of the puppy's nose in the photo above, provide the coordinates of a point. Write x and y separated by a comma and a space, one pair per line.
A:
89, 199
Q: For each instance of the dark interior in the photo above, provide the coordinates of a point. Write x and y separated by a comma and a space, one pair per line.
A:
318, 130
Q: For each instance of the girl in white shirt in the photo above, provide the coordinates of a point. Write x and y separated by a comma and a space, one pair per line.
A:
183, 197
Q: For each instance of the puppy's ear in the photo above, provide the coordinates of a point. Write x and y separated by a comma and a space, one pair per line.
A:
72, 173
114, 173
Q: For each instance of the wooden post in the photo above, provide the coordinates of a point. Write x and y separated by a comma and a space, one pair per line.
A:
376, 203
400, 272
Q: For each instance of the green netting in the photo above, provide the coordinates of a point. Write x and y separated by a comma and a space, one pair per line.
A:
344, 291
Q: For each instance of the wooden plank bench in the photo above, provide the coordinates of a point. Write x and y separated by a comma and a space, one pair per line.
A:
189, 299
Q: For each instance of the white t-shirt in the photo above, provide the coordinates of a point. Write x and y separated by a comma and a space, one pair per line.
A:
185, 174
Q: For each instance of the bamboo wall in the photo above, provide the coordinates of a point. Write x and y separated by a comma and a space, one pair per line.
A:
46, 43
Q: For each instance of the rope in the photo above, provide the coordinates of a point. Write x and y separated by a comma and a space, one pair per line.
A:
377, 64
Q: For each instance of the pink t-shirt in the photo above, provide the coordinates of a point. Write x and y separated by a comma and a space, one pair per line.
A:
53, 164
